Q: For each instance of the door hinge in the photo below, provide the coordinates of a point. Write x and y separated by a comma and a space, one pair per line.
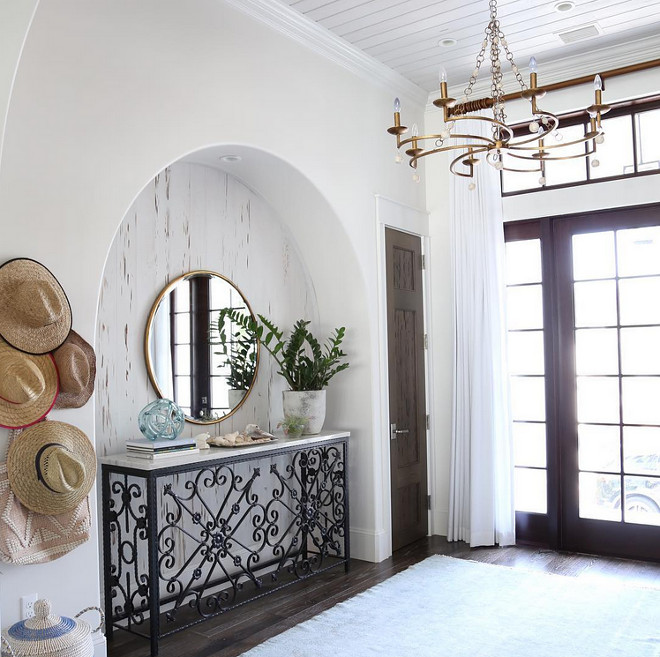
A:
428, 421
428, 502
426, 340
423, 257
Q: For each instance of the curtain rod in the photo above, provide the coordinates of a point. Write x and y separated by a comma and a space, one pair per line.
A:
484, 103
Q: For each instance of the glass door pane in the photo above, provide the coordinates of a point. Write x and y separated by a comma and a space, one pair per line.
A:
616, 333
526, 361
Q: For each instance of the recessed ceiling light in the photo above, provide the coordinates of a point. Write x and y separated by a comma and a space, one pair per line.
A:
230, 158
447, 43
565, 6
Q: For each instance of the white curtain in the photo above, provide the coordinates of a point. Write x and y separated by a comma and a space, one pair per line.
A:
481, 506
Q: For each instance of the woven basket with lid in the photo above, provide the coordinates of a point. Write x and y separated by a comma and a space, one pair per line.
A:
46, 635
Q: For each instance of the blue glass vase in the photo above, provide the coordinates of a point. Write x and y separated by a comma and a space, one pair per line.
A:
161, 419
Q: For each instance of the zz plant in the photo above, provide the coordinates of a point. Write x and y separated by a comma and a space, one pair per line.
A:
304, 363
241, 354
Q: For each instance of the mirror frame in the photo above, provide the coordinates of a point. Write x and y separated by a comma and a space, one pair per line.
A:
148, 330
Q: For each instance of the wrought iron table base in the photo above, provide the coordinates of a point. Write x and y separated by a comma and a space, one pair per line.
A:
195, 546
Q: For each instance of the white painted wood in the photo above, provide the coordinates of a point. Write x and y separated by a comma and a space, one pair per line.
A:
404, 35
191, 217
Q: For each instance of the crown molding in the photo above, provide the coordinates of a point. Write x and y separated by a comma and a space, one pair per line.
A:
294, 25
567, 68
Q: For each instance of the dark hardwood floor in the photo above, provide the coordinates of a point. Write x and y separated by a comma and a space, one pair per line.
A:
235, 632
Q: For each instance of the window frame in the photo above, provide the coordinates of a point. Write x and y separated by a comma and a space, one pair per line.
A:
626, 108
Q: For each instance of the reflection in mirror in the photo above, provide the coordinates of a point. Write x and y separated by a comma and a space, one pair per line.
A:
187, 362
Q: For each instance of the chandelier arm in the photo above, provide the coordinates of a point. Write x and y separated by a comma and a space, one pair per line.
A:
553, 158
487, 119
476, 150
492, 161
539, 169
588, 137
461, 158
578, 156
419, 138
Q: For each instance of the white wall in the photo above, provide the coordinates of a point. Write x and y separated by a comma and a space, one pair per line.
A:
108, 94
525, 206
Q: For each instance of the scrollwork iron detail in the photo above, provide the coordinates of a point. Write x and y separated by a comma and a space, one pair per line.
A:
222, 534
127, 575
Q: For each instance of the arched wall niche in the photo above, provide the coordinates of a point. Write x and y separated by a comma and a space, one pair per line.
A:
197, 197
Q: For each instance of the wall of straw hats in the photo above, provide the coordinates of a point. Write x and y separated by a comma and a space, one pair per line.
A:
106, 95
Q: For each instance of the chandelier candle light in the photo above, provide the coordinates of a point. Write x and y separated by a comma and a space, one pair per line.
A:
472, 148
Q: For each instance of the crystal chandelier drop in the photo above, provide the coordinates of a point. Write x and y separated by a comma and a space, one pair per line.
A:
470, 149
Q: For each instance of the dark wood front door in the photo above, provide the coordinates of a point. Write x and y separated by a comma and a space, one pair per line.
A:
609, 280
407, 437
584, 328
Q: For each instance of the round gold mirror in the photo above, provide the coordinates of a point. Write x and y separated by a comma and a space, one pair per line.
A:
195, 355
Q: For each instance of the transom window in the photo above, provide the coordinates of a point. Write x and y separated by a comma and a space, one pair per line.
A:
631, 148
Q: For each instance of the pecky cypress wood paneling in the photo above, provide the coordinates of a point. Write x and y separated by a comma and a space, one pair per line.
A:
191, 217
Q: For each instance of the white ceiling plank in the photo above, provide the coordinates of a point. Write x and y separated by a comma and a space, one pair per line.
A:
305, 6
542, 23
347, 22
544, 50
425, 49
547, 53
342, 11
467, 34
403, 35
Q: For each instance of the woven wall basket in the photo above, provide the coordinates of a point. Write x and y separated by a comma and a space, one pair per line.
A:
47, 635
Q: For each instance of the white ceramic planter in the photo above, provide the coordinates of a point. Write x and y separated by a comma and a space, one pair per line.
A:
235, 397
306, 403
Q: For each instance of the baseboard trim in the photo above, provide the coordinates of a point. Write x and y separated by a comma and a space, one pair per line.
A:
440, 522
368, 545
100, 645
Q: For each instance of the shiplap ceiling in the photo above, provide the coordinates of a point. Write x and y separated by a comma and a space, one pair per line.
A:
404, 35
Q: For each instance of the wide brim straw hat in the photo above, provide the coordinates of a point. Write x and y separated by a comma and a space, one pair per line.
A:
76, 365
51, 467
36, 314
28, 387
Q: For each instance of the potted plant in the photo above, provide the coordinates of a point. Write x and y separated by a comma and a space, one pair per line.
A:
241, 351
293, 425
305, 363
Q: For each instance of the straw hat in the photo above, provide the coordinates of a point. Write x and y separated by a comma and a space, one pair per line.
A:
36, 315
28, 387
51, 467
76, 364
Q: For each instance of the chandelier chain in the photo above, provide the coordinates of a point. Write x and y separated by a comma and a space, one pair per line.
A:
477, 67
514, 67
495, 73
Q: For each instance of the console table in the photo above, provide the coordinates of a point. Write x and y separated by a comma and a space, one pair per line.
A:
188, 538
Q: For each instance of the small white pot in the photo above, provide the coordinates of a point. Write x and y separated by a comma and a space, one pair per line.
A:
235, 397
306, 403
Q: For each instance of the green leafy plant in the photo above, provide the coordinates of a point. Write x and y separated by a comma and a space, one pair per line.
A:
241, 350
293, 425
303, 361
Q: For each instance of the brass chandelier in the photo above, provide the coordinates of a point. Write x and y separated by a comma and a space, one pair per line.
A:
470, 149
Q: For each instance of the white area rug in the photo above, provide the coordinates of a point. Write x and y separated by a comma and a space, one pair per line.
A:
445, 607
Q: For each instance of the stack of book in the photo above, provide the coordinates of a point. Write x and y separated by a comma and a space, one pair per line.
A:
161, 449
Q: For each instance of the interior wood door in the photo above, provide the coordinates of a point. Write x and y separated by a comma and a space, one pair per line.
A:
407, 438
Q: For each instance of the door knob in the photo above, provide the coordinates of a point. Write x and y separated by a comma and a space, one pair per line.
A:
394, 431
